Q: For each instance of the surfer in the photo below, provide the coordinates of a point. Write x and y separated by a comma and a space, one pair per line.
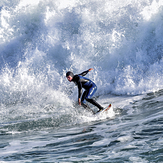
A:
89, 86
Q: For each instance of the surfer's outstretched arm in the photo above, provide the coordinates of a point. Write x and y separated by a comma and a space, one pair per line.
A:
86, 72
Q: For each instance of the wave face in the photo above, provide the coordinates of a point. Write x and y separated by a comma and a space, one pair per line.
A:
41, 40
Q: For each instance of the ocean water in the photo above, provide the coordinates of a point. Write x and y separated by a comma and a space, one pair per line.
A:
40, 120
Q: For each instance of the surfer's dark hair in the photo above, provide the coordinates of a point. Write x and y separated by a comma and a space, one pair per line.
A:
69, 73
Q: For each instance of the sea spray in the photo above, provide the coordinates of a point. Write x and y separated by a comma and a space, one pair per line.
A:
40, 119
41, 40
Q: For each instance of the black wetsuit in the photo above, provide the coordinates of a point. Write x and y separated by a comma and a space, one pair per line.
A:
90, 88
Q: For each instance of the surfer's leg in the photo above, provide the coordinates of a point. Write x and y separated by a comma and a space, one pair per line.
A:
92, 101
89, 95
87, 107
83, 102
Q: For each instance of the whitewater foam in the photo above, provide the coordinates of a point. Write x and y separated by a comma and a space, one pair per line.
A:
41, 40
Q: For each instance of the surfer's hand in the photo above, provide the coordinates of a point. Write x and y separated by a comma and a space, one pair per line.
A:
90, 69
79, 101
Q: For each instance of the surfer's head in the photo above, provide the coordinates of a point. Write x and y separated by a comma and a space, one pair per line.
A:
69, 76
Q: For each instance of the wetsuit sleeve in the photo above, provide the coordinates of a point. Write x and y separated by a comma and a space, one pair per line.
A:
79, 89
76, 80
84, 73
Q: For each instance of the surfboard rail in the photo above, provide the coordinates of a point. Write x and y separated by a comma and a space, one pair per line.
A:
104, 110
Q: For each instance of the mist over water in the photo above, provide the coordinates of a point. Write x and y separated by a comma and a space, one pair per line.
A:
41, 40
121, 41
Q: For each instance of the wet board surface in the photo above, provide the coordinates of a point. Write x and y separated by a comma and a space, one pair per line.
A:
105, 110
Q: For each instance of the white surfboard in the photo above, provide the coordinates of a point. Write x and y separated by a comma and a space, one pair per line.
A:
104, 111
